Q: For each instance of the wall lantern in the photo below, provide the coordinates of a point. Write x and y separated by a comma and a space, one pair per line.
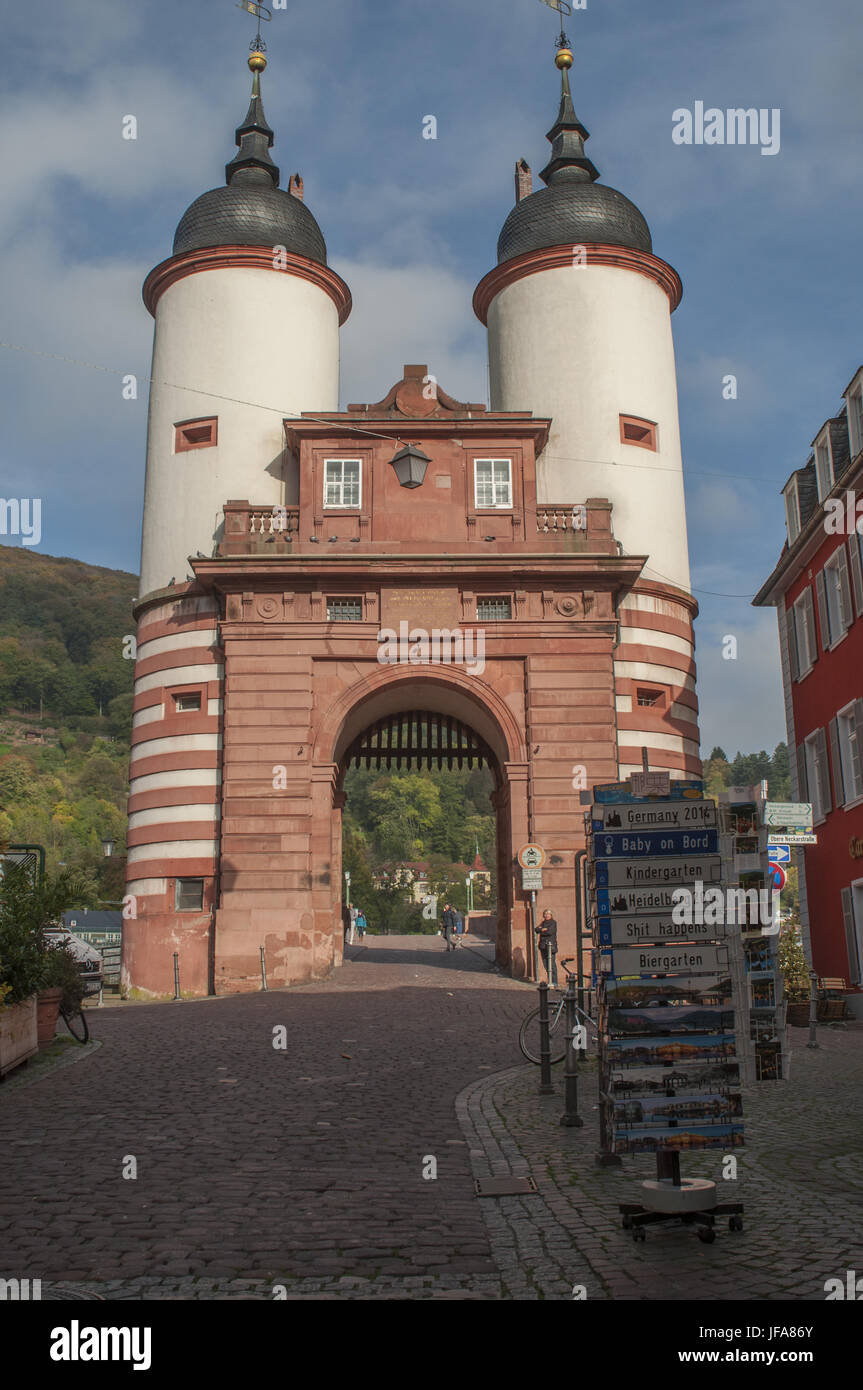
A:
107, 848
410, 464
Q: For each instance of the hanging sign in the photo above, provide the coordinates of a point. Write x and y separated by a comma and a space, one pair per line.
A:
668, 960
645, 872
626, 845
788, 813
625, 930
679, 815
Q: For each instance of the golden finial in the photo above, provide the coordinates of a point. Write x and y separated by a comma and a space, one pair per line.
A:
257, 61
563, 58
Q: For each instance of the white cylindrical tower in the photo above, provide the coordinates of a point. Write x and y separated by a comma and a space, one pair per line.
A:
247, 333
578, 311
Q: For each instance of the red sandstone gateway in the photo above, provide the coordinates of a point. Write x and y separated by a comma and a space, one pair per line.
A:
533, 554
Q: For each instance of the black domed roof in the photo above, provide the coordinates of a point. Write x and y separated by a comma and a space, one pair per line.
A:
573, 208
244, 213
251, 209
572, 211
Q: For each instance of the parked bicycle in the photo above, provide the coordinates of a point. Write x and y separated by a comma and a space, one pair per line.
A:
529, 1033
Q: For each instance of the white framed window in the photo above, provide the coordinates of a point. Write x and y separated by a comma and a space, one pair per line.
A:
855, 418
343, 482
802, 643
818, 774
792, 509
846, 745
835, 607
492, 483
855, 565
824, 463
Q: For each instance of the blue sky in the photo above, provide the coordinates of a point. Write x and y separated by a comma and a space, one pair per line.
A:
769, 248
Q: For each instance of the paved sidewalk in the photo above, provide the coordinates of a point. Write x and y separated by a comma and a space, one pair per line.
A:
800, 1177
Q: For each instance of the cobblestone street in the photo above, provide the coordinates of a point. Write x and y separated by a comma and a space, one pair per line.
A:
303, 1167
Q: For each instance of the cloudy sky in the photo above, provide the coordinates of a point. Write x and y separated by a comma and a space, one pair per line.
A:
768, 247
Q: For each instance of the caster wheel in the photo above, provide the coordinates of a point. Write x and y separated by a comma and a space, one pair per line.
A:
706, 1234
639, 1235
735, 1223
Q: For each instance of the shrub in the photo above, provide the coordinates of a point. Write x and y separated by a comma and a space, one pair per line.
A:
26, 909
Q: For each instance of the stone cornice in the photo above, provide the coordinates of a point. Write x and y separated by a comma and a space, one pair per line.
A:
255, 257
561, 257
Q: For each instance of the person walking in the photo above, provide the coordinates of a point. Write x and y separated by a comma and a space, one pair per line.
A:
448, 922
361, 924
547, 939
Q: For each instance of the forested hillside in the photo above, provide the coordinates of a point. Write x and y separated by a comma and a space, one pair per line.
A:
65, 710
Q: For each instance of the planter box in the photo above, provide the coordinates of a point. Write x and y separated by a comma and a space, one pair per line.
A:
18, 1034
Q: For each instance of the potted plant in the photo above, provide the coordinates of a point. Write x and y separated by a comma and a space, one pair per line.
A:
63, 988
27, 908
795, 973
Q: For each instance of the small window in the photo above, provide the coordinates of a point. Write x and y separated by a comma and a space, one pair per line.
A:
651, 698
824, 465
492, 482
342, 482
792, 510
803, 627
493, 610
186, 704
344, 610
640, 432
818, 774
189, 895
196, 434
855, 420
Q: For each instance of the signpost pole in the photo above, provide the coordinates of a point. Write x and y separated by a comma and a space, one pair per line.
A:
813, 1008
533, 953
545, 1086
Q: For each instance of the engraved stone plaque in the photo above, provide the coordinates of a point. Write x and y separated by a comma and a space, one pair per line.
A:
421, 607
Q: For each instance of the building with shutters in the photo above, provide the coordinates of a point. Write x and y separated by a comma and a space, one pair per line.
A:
817, 589
294, 553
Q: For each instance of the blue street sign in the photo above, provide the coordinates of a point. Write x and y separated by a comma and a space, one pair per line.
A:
618, 844
779, 854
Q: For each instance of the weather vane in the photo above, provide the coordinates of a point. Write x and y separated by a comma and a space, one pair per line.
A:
261, 12
563, 8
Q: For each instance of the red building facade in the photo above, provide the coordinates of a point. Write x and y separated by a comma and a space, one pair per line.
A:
817, 588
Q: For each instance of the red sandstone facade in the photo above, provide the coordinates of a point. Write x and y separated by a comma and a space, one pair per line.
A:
284, 687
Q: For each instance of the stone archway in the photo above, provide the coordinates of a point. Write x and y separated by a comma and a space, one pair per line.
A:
457, 699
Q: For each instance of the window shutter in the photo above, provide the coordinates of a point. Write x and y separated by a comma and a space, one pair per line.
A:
836, 761
802, 779
851, 937
822, 773
809, 611
823, 616
856, 573
845, 603
857, 748
792, 643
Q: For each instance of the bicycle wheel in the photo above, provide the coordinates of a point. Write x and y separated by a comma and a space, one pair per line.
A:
529, 1038
77, 1024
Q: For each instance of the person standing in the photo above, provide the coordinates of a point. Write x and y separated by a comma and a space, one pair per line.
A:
547, 939
459, 927
448, 922
361, 924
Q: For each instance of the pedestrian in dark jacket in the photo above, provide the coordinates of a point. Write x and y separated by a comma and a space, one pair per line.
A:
546, 934
448, 922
